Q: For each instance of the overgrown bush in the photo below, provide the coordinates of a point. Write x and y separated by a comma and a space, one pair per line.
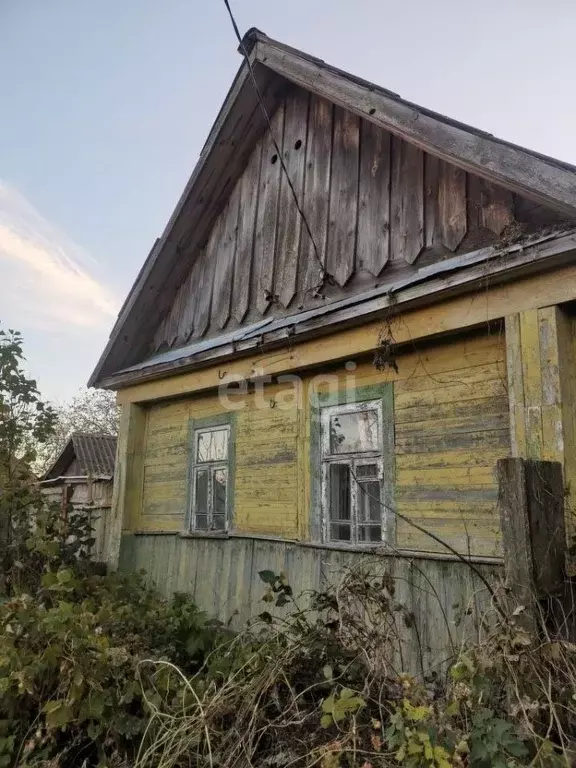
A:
74, 682
100, 671
322, 688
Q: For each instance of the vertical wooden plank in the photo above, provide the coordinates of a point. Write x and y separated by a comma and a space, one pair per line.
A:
248, 205
289, 219
532, 378
127, 478
433, 231
267, 218
173, 316
186, 326
407, 202
316, 193
452, 205
515, 385
205, 280
490, 207
549, 355
567, 357
374, 198
179, 310
160, 335
531, 507
497, 211
224, 262
549, 321
343, 217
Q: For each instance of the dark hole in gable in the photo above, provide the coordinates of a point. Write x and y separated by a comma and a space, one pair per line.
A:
274, 159
298, 144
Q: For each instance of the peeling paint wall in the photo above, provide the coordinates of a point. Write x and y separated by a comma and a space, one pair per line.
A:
451, 424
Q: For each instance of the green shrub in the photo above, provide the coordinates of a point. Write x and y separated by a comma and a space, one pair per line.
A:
74, 677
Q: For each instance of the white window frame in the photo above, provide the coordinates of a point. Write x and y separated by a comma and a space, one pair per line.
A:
353, 460
211, 467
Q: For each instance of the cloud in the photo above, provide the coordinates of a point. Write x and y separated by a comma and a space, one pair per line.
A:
46, 280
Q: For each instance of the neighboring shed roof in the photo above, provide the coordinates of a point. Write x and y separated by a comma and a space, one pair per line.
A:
87, 454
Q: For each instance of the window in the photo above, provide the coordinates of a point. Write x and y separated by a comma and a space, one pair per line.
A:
210, 490
352, 472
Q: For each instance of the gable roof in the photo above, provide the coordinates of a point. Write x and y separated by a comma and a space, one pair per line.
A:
241, 122
93, 455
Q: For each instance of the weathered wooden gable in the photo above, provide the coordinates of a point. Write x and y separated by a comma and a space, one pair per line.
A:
375, 205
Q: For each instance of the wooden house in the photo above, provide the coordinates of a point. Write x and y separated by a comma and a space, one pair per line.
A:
82, 476
353, 312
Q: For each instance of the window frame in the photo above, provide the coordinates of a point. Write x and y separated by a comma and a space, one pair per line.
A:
324, 404
196, 428
351, 459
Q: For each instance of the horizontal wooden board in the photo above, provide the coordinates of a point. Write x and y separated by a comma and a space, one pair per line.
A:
438, 494
439, 443
476, 389
448, 460
450, 426
456, 477
453, 411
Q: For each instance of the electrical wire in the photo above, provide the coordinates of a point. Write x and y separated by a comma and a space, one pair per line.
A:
324, 275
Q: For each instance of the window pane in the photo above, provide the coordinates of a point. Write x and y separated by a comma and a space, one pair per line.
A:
339, 532
220, 478
201, 522
339, 488
212, 445
365, 471
369, 506
354, 432
219, 523
370, 533
201, 494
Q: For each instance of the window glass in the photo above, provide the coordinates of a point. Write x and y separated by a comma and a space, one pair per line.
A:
210, 472
354, 432
202, 492
220, 482
339, 532
352, 473
369, 506
212, 445
339, 492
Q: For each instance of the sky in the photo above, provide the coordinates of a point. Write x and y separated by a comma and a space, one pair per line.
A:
105, 106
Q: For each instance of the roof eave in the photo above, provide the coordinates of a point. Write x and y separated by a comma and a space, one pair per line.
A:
218, 166
540, 178
432, 284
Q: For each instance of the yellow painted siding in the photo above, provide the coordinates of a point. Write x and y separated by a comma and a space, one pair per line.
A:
266, 471
266, 485
451, 425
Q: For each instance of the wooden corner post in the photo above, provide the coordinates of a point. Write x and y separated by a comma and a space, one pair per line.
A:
531, 506
126, 496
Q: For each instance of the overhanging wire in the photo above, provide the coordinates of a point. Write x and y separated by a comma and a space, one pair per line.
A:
324, 275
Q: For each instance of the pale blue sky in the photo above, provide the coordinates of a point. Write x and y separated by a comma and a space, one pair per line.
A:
106, 105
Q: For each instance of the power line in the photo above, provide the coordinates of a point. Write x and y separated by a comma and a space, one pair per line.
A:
324, 275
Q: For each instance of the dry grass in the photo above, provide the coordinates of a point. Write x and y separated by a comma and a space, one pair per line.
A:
259, 700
